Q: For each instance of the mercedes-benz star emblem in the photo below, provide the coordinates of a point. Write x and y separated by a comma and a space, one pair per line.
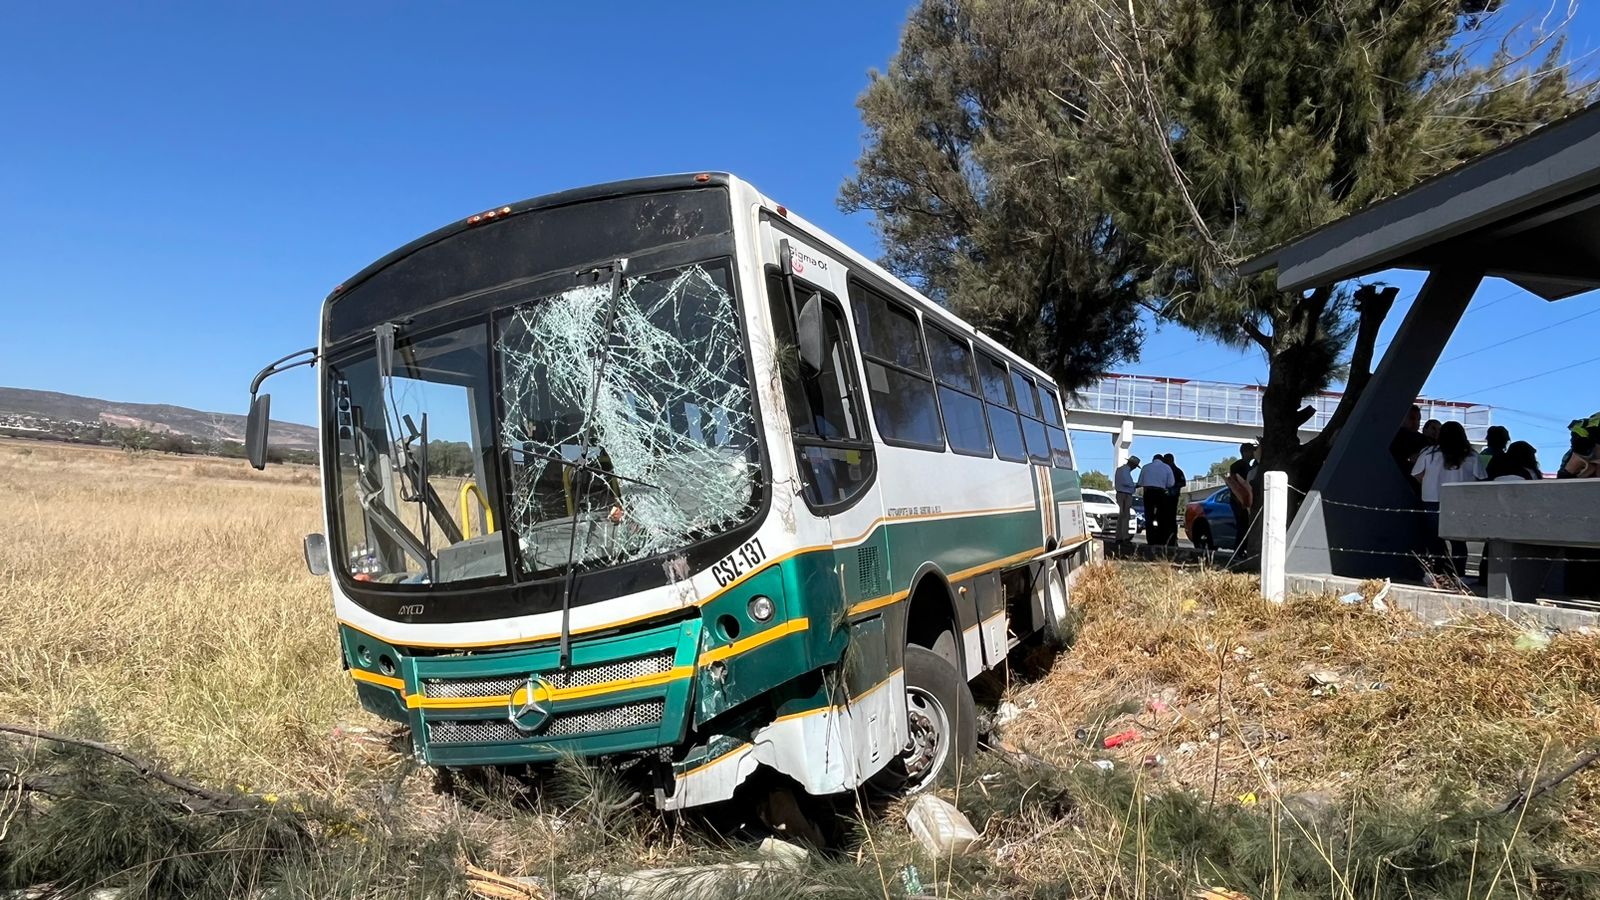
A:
527, 709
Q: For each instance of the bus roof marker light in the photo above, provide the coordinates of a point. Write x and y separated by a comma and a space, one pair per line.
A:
488, 215
702, 178
783, 211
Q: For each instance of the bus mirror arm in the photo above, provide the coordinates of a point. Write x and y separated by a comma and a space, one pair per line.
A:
809, 333
256, 424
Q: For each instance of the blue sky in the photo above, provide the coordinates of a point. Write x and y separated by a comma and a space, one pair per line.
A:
181, 185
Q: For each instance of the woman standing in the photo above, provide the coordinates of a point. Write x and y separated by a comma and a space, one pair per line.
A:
1452, 460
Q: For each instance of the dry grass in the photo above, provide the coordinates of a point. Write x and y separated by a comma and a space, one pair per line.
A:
166, 598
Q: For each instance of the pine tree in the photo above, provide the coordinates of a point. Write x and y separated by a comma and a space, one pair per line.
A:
1047, 168
982, 181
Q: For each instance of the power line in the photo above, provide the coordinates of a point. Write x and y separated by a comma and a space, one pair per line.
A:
1519, 337
1378, 350
1495, 387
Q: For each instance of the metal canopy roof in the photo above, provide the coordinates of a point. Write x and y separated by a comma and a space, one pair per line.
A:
1528, 212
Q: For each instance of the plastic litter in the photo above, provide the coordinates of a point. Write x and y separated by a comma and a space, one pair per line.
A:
783, 852
1104, 765
1120, 738
940, 827
912, 881
1379, 599
1533, 641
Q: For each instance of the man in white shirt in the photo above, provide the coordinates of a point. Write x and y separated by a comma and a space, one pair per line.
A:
1125, 485
1157, 481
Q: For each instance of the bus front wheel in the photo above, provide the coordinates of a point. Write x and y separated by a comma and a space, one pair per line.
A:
941, 719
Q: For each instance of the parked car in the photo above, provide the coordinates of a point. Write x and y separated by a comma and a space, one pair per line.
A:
1100, 513
1209, 522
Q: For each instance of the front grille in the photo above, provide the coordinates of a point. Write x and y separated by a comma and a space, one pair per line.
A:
573, 724
582, 676
471, 687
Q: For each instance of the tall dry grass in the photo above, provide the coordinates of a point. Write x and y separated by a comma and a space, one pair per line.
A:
163, 604
167, 596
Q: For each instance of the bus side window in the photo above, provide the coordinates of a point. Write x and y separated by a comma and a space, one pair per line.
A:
1032, 419
835, 457
1060, 450
897, 374
959, 402
1001, 407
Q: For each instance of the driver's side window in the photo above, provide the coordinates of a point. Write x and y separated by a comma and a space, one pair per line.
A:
834, 452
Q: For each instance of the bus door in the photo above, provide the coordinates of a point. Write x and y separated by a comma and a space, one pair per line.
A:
835, 458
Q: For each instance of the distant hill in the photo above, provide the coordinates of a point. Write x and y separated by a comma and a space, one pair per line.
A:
159, 418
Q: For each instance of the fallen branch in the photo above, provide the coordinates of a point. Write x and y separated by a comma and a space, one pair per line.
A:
144, 767
1523, 798
1017, 756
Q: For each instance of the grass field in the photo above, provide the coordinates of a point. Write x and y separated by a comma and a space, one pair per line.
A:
1306, 750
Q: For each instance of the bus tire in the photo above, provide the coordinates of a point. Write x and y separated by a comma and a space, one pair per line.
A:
942, 721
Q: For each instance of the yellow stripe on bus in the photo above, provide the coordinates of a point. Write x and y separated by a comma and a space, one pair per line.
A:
555, 694
656, 614
758, 640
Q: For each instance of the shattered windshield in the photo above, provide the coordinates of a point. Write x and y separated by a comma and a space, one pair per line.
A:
416, 482
627, 419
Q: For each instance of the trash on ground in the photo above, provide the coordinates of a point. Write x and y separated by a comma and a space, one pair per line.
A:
1006, 713
1104, 765
1120, 738
1533, 641
940, 827
912, 879
1248, 799
792, 855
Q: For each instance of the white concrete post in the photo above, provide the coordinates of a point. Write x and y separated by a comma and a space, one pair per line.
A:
1122, 442
1274, 535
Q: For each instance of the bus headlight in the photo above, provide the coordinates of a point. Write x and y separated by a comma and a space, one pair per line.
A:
761, 608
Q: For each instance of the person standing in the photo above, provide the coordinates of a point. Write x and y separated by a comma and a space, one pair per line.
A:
1494, 446
1583, 460
1240, 498
1124, 484
1156, 481
1408, 442
1520, 462
1452, 461
1174, 499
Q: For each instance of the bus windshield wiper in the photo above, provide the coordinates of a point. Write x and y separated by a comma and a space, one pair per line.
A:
585, 441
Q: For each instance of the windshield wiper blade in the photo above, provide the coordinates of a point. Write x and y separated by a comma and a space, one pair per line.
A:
615, 270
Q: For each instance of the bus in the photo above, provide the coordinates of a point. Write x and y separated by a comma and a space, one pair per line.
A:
656, 471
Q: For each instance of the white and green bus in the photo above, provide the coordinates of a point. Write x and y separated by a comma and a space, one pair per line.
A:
659, 472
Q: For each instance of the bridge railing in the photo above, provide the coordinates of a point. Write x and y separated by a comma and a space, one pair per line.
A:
1147, 396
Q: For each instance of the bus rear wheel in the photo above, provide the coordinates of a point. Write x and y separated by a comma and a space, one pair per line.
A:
941, 718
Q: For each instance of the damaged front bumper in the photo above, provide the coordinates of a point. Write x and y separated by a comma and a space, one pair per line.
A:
622, 693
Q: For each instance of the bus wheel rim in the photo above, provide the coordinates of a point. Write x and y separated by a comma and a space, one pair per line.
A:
929, 746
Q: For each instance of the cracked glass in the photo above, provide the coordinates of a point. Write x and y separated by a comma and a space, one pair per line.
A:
630, 430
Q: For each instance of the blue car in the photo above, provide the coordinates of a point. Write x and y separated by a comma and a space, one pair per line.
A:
1209, 522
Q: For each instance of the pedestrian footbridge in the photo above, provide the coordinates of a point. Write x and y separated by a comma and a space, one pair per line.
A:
1126, 406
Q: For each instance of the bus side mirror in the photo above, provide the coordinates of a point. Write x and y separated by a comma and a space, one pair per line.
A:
255, 430
811, 334
317, 553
